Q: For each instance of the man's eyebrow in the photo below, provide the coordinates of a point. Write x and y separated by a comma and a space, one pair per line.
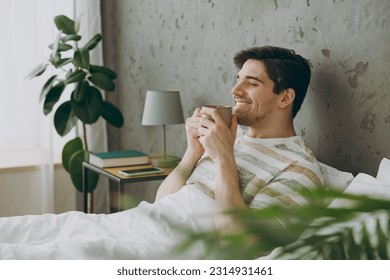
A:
251, 78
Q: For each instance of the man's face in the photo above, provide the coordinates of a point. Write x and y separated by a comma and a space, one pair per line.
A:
253, 95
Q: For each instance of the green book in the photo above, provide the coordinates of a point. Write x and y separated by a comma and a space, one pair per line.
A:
118, 158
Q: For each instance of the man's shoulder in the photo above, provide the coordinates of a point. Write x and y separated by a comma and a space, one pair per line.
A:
305, 162
307, 166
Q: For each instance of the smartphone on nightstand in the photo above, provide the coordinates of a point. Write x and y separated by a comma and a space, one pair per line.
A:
142, 171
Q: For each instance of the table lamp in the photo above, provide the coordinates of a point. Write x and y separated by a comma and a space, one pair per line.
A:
162, 108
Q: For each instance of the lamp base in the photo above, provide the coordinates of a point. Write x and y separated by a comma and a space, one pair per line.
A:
164, 161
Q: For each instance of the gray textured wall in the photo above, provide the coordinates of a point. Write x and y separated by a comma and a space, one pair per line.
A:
188, 45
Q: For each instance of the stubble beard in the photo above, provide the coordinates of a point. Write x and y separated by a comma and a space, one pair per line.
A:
249, 118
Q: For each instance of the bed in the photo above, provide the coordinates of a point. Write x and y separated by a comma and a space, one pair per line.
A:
364, 236
149, 231
144, 232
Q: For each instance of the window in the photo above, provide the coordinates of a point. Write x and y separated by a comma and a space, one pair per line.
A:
27, 28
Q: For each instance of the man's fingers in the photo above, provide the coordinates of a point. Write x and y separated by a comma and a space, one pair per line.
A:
233, 125
213, 114
202, 131
197, 112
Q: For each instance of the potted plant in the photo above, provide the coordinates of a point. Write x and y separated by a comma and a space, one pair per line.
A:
72, 68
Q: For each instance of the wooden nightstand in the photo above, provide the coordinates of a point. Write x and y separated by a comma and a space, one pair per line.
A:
112, 173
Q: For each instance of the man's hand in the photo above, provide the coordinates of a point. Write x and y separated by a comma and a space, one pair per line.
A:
216, 138
194, 147
178, 177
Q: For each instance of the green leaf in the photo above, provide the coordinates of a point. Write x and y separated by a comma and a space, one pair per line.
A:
352, 249
52, 96
54, 47
70, 72
88, 110
75, 77
111, 114
104, 70
93, 42
71, 38
37, 71
382, 247
69, 149
62, 62
77, 23
102, 81
55, 58
80, 91
64, 119
76, 171
46, 87
81, 58
65, 24
62, 47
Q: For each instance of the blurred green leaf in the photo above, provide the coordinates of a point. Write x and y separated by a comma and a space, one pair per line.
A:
62, 62
55, 58
88, 110
104, 70
357, 231
75, 77
62, 47
81, 58
65, 24
80, 91
69, 149
77, 23
93, 42
71, 38
52, 96
46, 87
54, 47
37, 71
76, 171
64, 118
111, 114
102, 81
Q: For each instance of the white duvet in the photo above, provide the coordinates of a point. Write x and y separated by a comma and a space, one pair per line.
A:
144, 232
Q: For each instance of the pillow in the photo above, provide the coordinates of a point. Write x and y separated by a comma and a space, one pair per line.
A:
384, 171
364, 184
334, 178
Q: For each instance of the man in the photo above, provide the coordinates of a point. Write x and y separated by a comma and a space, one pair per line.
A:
219, 172
270, 164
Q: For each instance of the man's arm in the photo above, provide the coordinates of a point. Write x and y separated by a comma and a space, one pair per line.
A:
218, 141
178, 177
227, 196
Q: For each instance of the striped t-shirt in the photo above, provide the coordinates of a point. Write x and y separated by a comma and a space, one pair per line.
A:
277, 171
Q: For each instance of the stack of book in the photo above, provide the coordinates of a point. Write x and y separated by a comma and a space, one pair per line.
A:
118, 158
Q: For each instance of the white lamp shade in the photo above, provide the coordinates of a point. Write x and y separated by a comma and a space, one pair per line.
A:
162, 107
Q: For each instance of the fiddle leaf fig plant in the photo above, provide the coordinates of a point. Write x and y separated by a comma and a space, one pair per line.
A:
72, 69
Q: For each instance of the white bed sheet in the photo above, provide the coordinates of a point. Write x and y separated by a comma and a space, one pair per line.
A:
144, 232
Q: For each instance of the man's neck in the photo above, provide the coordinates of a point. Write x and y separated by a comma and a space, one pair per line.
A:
279, 131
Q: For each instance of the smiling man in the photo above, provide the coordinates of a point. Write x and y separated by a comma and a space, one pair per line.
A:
222, 170
268, 165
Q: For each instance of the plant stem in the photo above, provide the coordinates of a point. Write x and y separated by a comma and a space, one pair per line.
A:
86, 147
85, 136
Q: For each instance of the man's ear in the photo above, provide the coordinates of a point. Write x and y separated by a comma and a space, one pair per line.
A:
287, 98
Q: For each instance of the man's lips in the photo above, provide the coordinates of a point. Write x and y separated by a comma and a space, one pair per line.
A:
241, 103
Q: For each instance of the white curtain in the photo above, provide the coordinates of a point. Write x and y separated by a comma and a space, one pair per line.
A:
29, 144
90, 15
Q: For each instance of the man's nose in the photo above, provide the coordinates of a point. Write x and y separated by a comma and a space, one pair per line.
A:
237, 89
